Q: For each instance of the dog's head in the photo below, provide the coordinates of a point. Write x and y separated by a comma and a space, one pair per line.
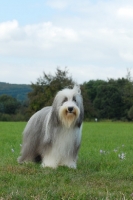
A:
68, 107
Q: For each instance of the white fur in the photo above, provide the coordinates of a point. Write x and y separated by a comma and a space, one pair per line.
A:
54, 133
60, 154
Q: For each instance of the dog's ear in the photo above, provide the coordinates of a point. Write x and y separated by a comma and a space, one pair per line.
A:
53, 122
81, 116
54, 118
81, 108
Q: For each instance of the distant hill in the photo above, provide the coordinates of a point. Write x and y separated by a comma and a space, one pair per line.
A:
18, 91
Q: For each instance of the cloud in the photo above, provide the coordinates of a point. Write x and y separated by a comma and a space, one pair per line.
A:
125, 12
94, 39
128, 56
7, 29
57, 4
33, 39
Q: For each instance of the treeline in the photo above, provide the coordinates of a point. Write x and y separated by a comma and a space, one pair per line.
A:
17, 91
111, 99
13, 110
14, 102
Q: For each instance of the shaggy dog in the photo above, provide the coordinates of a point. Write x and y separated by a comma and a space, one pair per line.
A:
53, 134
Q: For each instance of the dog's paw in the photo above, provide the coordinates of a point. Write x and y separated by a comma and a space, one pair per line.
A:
71, 164
19, 160
53, 166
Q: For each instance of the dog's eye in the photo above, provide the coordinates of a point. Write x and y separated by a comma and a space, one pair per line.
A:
74, 99
65, 99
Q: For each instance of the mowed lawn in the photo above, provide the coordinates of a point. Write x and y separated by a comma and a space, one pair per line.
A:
104, 168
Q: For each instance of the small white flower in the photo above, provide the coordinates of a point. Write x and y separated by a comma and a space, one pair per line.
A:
12, 150
115, 150
122, 156
102, 151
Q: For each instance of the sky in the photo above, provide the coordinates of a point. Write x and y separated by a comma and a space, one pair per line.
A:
92, 38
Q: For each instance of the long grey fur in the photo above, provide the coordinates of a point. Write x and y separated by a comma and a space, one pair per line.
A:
44, 128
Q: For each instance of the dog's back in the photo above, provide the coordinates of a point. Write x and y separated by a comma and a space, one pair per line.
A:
32, 136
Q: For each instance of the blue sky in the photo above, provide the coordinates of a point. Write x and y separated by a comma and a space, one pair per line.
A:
94, 39
26, 12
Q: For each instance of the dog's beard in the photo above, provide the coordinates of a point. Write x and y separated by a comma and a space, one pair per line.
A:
67, 118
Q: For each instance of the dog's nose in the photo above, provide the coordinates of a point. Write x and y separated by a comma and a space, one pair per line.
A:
70, 109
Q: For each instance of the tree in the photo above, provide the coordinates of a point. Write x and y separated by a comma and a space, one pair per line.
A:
8, 104
46, 87
92, 88
130, 113
89, 94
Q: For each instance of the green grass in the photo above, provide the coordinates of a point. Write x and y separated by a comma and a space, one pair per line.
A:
98, 175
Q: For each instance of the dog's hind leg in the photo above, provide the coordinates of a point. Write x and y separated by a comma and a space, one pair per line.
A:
27, 154
23, 158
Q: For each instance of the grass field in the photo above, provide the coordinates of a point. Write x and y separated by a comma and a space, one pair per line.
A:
104, 171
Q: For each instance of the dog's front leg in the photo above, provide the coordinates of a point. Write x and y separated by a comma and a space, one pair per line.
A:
50, 161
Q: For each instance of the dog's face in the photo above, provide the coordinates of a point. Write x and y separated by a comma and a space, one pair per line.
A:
69, 106
69, 111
